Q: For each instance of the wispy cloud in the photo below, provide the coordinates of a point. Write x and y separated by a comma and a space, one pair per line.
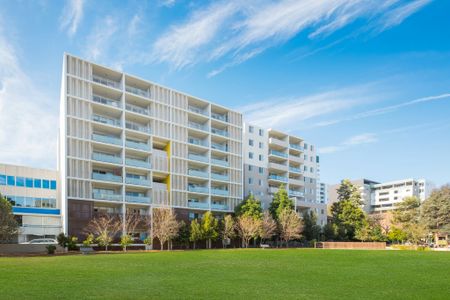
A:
99, 40
383, 110
72, 16
356, 140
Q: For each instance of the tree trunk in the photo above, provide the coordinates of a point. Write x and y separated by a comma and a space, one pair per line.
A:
162, 245
194, 245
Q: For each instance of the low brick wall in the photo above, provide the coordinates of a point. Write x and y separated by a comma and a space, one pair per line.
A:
352, 245
23, 249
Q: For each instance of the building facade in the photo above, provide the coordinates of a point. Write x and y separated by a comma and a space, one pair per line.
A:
33, 194
129, 145
273, 158
322, 196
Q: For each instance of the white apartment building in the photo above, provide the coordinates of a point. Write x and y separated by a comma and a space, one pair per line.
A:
33, 194
128, 144
273, 158
322, 195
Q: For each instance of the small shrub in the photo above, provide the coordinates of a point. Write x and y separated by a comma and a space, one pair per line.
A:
89, 240
125, 241
51, 249
148, 241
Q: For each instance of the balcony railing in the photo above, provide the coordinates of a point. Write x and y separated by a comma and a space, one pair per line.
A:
137, 145
107, 196
109, 158
198, 173
107, 177
220, 117
220, 147
137, 91
278, 177
137, 199
298, 147
137, 127
219, 206
294, 169
198, 110
198, 157
278, 153
220, 162
106, 81
296, 193
137, 109
219, 176
106, 139
197, 142
137, 163
105, 120
198, 126
137, 181
106, 101
203, 205
198, 189
219, 192
219, 131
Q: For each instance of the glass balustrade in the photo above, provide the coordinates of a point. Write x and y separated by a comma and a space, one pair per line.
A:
298, 147
107, 196
137, 199
137, 181
107, 177
195, 141
219, 132
198, 126
137, 127
198, 110
294, 169
137, 163
198, 173
220, 162
219, 192
217, 206
219, 117
220, 147
106, 101
107, 139
198, 189
278, 153
222, 177
106, 81
137, 145
105, 120
278, 177
137, 109
109, 158
137, 91
204, 205
198, 157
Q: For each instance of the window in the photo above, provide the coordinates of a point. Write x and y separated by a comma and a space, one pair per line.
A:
45, 184
261, 133
37, 183
250, 180
305, 146
250, 167
261, 157
2, 179
250, 155
29, 182
260, 145
260, 182
250, 142
11, 180
53, 184
20, 181
261, 170
250, 129
311, 148
311, 169
305, 168
305, 157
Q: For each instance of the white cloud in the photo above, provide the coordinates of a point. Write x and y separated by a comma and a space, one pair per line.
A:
72, 15
168, 3
27, 114
398, 15
100, 40
356, 140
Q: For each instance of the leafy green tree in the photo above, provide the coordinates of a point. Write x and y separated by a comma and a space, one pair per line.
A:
348, 191
395, 234
183, 234
436, 210
250, 207
280, 202
125, 241
210, 228
228, 230
311, 231
289, 225
196, 233
8, 225
330, 231
407, 216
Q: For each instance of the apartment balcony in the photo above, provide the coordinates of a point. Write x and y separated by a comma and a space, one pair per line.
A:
197, 110
280, 167
106, 81
219, 206
109, 158
198, 189
198, 157
137, 109
297, 147
295, 170
105, 120
137, 127
197, 142
137, 163
201, 205
105, 101
296, 181
138, 181
137, 199
220, 162
219, 192
106, 139
219, 117
278, 153
221, 177
296, 194
278, 142
219, 132
220, 147
198, 126
137, 91
294, 158
278, 178
198, 173
273, 190
137, 145
107, 196
107, 177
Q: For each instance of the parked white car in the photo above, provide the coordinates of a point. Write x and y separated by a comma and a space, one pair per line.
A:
43, 242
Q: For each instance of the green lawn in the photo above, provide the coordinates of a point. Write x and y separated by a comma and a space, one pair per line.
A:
250, 274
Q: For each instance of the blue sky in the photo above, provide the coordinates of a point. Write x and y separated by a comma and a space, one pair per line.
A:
368, 82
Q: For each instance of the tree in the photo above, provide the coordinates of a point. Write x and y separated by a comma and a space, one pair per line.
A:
348, 191
196, 232
228, 231
210, 227
330, 231
407, 217
436, 210
131, 221
249, 207
183, 234
363, 233
8, 225
248, 228
125, 241
290, 225
311, 231
268, 227
165, 225
104, 227
397, 235
280, 202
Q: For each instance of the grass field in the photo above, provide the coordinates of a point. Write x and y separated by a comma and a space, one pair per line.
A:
253, 273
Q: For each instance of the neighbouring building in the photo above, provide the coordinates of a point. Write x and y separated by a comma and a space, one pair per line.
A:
128, 144
33, 194
273, 158
322, 195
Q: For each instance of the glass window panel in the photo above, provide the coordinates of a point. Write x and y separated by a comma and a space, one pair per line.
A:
20, 181
37, 183
45, 184
29, 182
53, 184
11, 180
2, 179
